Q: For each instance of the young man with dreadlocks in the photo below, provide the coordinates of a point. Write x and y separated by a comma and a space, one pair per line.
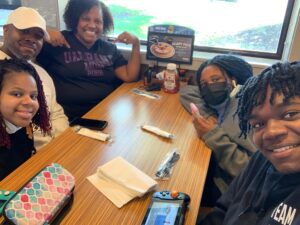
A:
267, 192
22, 108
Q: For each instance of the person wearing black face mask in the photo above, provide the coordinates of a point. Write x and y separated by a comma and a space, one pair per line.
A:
215, 93
219, 79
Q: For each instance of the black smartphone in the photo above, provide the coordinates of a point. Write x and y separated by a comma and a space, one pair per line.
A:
167, 208
89, 123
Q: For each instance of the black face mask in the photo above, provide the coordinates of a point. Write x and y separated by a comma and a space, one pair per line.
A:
215, 93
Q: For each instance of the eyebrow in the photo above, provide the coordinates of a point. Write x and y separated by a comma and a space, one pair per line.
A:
282, 104
19, 88
212, 77
216, 75
287, 103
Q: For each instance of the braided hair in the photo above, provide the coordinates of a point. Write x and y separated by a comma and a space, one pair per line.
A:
234, 67
282, 78
42, 118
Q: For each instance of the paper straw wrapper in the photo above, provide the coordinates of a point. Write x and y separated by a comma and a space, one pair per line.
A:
95, 134
157, 131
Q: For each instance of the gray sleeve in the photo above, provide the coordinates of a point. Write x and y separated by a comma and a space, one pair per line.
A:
191, 93
230, 156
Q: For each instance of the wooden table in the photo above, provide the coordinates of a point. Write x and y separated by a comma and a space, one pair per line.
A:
125, 113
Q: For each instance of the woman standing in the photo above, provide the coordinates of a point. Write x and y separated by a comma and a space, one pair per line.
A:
91, 68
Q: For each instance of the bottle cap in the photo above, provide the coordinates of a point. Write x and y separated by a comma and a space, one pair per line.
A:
171, 66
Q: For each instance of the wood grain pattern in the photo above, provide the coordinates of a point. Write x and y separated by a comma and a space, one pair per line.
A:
125, 113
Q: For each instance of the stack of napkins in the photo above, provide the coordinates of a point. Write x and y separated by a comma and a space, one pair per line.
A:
120, 181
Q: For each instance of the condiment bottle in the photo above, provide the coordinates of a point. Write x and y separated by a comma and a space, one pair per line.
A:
171, 79
148, 76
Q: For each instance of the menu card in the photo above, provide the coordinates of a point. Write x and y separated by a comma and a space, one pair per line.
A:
170, 43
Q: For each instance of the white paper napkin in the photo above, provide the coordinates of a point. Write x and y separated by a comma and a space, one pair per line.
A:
120, 181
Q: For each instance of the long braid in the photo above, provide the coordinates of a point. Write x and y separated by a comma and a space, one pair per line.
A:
4, 137
42, 117
283, 78
244, 104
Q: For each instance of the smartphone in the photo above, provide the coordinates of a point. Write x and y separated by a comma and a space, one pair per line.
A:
89, 123
167, 208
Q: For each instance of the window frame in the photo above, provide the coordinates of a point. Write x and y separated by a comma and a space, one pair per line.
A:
11, 6
257, 54
285, 47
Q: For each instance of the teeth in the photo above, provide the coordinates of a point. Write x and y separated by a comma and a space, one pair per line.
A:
284, 148
90, 32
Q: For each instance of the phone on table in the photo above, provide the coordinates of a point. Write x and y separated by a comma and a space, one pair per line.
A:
167, 208
89, 123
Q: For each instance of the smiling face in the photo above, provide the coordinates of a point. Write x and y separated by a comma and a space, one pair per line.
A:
90, 26
18, 98
276, 132
23, 44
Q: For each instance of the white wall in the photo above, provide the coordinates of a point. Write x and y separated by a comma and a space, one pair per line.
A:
47, 8
292, 44
61, 8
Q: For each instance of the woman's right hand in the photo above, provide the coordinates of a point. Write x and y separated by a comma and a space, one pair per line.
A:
204, 125
56, 38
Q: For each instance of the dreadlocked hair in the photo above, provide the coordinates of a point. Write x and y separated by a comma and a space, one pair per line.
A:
42, 118
282, 78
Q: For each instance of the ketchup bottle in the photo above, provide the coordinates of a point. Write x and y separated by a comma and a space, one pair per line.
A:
171, 79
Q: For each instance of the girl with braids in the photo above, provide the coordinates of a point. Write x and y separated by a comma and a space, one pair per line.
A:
219, 79
267, 191
22, 109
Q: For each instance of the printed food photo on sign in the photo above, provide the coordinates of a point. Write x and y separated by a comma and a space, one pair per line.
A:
162, 50
170, 43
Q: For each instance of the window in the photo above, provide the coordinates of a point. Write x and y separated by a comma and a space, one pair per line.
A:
6, 7
3, 17
247, 27
48, 9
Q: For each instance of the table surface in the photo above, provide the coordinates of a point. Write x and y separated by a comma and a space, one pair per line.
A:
125, 112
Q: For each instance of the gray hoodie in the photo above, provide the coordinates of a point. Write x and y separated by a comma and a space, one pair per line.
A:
231, 151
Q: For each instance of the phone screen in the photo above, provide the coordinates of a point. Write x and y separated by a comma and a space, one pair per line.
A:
162, 213
90, 123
